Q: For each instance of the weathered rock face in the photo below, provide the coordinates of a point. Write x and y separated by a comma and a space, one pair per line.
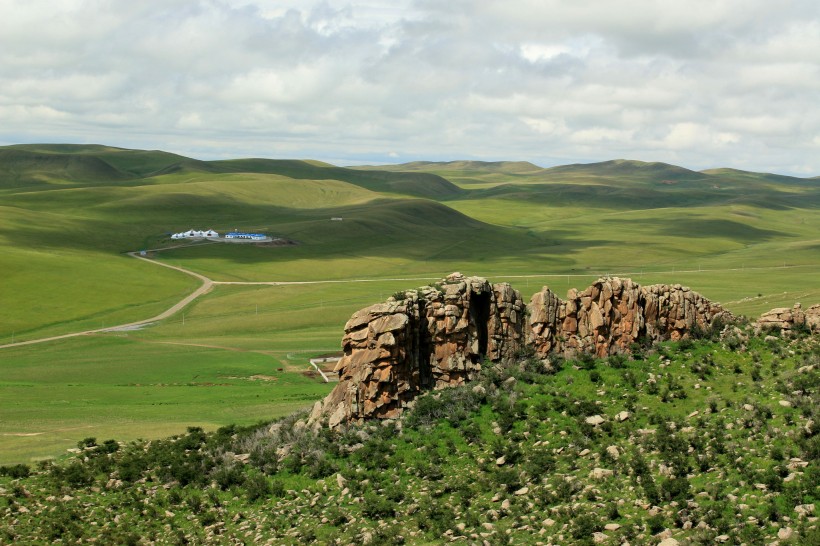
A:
785, 319
429, 338
607, 317
436, 337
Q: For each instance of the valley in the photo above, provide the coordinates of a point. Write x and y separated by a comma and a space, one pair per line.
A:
71, 214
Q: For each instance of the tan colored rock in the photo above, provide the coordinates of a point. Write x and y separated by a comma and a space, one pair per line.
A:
437, 337
785, 319
622, 416
594, 420
612, 314
600, 473
430, 338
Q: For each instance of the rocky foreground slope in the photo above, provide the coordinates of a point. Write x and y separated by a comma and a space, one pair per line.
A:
438, 336
712, 441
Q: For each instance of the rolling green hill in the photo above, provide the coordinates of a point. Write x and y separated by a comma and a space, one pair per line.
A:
404, 183
68, 215
26, 170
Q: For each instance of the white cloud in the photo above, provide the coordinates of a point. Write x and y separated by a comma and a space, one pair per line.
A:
705, 83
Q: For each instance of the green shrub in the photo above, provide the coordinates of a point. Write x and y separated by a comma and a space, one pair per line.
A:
656, 524
376, 506
617, 361
228, 476
15, 471
584, 525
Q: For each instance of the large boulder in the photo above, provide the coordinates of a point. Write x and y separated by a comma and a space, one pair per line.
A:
430, 338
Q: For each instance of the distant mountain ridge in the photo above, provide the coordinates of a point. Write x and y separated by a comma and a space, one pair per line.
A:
23, 164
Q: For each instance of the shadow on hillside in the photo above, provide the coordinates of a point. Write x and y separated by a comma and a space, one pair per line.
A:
706, 228
620, 197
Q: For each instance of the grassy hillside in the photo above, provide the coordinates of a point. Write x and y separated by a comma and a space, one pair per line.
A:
707, 442
418, 185
69, 213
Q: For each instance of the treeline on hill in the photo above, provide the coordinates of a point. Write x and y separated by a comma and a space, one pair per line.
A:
707, 441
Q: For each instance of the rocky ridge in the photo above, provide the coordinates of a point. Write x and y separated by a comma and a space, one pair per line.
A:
786, 320
613, 313
438, 336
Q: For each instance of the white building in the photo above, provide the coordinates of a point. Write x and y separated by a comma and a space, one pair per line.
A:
196, 234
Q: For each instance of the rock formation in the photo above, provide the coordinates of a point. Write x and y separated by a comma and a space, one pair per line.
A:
785, 319
609, 316
422, 339
437, 336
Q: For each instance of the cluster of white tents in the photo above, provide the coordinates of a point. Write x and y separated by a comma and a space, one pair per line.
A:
196, 234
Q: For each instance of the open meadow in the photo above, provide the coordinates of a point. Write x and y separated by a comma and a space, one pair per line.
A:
239, 354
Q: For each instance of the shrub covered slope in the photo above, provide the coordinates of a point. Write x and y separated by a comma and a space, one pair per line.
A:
702, 442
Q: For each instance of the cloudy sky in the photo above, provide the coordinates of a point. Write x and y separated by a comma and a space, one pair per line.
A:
698, 83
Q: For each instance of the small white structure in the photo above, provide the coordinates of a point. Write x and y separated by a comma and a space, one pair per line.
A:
196, 234
248, 236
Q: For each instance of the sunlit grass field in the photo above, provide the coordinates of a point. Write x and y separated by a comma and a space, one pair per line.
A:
745, 239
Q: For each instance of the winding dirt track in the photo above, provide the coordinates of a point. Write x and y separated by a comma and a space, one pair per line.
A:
208, 284
204, 288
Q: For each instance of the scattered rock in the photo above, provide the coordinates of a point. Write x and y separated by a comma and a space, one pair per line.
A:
804, 509
600, 473
595, 420
785, 533
623, 416
613, 452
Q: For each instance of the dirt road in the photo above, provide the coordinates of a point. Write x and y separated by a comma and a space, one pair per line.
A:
206, 286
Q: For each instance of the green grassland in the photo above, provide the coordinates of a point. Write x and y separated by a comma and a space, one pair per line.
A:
128, 388
68, 215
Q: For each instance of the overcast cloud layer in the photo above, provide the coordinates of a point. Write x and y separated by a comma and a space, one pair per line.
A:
698, 83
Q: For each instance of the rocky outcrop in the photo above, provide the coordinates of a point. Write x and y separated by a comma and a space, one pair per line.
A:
612, 314
429, 338
438, 336
785, 319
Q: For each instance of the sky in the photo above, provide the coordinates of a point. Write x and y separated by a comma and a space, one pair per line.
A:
696, 83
